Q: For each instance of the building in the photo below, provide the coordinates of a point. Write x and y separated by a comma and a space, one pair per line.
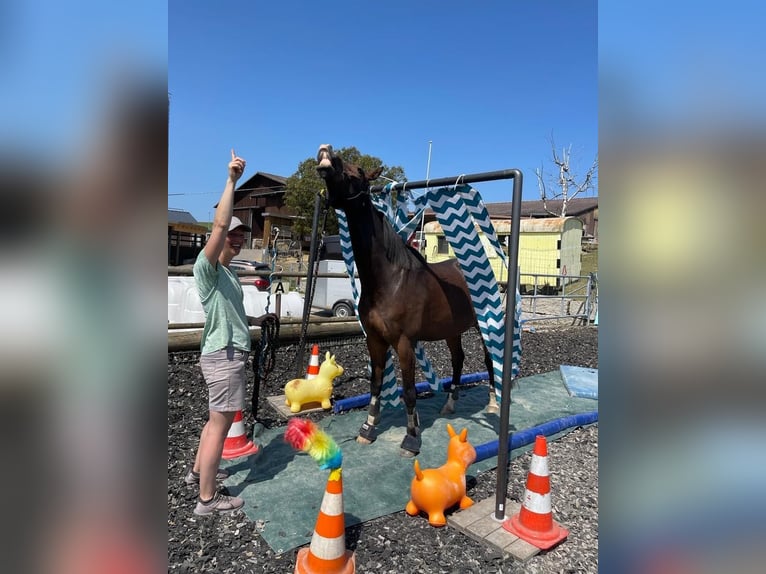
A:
547, 246
260, 203
186, 237
583, 208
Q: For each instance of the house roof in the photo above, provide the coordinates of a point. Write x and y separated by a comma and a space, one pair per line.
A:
260, 183
535, 208
277, 178
503, 226
184, 222
180, 216
502, 209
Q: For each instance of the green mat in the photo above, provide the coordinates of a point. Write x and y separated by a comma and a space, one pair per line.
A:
283, 488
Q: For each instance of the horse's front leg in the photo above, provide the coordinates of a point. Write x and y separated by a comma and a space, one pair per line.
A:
455, 346
377, 349
411, 443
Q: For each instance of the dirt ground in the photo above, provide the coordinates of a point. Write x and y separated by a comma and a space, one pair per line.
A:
396, 543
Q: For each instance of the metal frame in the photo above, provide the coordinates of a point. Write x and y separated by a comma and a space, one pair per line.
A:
513, 264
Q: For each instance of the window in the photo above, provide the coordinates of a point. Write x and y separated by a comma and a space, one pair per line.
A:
443, 245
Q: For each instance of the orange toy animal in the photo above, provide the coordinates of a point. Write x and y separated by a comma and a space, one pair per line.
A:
434, 490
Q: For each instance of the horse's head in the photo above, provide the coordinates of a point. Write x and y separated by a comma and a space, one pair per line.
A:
344, 181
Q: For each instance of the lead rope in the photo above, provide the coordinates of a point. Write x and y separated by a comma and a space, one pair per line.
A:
273, 254
265, 357
317, 250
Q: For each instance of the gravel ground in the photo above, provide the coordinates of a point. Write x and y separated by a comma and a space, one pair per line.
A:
397, 543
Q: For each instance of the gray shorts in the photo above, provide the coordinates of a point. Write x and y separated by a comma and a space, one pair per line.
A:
224, 373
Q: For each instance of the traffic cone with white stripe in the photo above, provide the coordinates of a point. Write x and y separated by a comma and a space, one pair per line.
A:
327, 552
534, 522
313, 369
237, 444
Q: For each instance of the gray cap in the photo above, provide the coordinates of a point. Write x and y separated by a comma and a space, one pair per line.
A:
237, 222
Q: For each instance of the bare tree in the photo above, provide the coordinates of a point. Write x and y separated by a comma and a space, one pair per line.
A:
567, 185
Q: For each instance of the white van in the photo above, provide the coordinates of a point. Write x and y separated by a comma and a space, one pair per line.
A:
184, 305
334, 293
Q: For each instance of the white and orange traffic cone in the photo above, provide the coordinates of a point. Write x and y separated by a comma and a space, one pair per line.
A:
237, 444
534, 522
327, 552
313, 369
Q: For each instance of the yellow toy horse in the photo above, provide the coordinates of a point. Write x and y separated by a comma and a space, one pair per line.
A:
299, 392
434, 490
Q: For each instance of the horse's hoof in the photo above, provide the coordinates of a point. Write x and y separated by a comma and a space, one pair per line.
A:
407, 454
410, 445
367, 432
493, 408
449, 406
362, 440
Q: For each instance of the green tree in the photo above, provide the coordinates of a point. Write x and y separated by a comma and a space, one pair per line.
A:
305, 183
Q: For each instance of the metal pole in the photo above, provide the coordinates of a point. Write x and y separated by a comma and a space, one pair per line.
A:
505, 396
421, 242
443, 181
308, 296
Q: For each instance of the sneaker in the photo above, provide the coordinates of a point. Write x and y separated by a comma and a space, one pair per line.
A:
219, 503
193, 477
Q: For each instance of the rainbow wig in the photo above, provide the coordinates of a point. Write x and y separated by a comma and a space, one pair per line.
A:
302, 434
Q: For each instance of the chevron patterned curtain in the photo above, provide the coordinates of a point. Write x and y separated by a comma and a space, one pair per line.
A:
459, 210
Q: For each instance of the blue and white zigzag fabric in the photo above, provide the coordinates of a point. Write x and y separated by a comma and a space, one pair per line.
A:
403, 225
459, 210
463, 204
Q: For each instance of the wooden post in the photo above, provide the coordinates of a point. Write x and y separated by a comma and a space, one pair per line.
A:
179, 340
266, 234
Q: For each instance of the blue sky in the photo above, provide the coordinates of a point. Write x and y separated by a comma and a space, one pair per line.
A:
58, 61
487, 83
675, 64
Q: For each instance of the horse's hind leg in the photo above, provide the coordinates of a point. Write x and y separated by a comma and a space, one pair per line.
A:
411, 443
377, 349
455, 346
492, 406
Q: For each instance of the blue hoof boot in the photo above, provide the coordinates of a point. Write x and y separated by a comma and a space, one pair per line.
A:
368, 432
410, 445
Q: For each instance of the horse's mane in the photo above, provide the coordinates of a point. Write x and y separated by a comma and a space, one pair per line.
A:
397, 251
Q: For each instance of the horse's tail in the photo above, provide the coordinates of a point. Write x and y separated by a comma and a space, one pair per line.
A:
418, 472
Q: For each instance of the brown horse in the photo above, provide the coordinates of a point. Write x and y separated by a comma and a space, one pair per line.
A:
403, 299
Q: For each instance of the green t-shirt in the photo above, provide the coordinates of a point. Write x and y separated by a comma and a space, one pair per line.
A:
222, 300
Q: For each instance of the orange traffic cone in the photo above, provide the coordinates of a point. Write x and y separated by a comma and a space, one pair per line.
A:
327, 552
237, 443
534, 522
313, 369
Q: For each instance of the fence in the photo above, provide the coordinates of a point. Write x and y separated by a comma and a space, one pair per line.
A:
576, 303
540, 302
